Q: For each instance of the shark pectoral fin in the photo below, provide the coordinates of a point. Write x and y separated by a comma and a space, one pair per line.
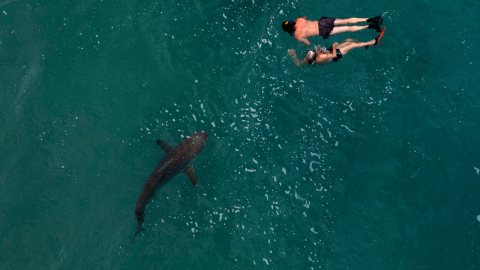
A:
167, 148
191, 174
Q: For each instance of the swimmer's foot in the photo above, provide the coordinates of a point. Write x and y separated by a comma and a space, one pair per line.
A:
374, 26
377, 38
375, 23
376, 20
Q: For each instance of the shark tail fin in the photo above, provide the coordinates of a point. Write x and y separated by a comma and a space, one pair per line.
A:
139, 229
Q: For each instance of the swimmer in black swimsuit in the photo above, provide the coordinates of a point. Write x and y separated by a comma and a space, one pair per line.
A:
339, 54
327, 27
333, 54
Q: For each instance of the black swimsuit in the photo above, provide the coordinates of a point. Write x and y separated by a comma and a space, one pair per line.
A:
325, 26
339, 54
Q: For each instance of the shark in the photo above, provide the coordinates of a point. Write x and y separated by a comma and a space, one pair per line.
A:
177, 159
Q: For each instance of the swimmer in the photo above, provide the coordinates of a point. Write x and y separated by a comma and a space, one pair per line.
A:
327, 27
334, 53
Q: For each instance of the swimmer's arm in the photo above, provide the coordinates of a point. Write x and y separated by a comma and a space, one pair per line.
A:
304, 40
334, 50
295, 60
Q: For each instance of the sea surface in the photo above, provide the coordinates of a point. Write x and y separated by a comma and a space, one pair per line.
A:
369, 163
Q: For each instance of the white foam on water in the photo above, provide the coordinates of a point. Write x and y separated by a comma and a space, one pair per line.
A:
347, 128
305, 201
323, 139
311, 163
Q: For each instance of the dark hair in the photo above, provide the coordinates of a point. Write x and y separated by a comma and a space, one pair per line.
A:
288, 26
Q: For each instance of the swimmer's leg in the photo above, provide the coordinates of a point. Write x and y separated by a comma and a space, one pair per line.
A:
352, 45
342, 29
349, 21
344, 44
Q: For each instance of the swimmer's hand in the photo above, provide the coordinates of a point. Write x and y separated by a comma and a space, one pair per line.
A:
295, 59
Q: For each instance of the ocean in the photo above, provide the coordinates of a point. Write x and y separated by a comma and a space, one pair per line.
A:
372, 162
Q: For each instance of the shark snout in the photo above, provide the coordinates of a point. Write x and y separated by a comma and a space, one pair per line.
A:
200, 135
199, 138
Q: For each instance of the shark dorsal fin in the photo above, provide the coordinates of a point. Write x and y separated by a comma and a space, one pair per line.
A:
167, 148
191, 174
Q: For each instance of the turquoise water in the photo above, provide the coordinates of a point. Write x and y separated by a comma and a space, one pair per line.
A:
369, 163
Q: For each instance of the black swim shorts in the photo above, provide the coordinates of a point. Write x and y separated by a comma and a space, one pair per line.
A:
325, 26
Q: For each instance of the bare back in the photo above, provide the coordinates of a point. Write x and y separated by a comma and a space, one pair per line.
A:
304, 29
323, 58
